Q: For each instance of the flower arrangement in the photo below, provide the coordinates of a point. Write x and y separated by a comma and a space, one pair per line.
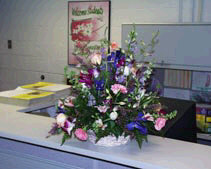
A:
110, 96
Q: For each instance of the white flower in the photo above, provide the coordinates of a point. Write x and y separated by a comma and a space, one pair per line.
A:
104, 126
149, 117
60, 119
69, 101
96, 73
83, 85
60, 104
113, 115
102, 109
135, 105
99, 122
69, 129
126, 71
96, 59
115, 108
142, 92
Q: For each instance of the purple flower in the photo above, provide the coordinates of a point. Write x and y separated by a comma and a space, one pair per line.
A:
86, 78
121, 62
93, 72
68, 126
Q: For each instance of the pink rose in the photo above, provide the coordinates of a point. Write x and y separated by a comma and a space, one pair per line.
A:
160, 123
81, 134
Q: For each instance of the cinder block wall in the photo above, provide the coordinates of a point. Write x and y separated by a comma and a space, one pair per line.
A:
38, 30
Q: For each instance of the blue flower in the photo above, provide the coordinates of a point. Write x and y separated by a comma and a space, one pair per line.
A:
136, 125
61, 110
111, 57
141, 117
99, 84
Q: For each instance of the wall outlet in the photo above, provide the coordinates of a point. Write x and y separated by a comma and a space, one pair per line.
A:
9, 44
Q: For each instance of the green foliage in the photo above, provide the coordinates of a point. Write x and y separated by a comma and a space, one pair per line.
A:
140, 138
65, 137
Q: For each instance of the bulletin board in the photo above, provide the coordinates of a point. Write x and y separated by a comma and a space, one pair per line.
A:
181, 46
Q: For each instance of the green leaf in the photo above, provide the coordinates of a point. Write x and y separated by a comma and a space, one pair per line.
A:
139, 138
112, 124
65, 137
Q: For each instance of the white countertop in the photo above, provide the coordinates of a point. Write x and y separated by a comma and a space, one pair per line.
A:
158, 153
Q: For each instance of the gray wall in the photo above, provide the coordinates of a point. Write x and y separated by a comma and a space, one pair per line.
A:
38, 30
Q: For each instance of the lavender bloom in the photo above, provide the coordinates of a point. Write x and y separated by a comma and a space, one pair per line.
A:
53, 129
102, 51
142, 80
103, 67
133, 47
156, 86
120, 79
91, 100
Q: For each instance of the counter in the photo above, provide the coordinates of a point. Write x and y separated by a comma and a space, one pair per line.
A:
31, 130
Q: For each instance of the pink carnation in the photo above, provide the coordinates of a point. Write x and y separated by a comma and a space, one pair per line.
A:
81, 134
160, 123
118, 87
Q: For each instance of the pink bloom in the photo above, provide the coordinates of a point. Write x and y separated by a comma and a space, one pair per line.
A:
102, 109
160, 123
114, 46
118, 87
123, 89
81, 134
